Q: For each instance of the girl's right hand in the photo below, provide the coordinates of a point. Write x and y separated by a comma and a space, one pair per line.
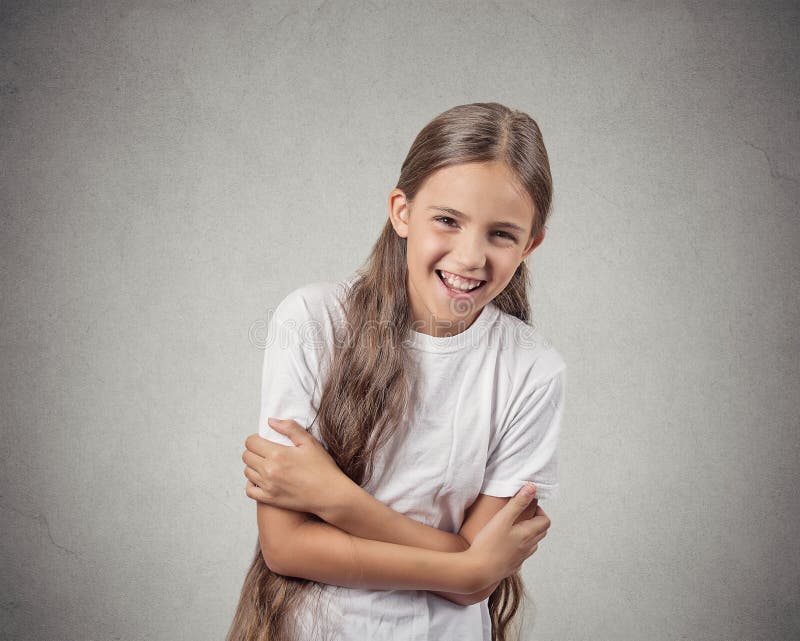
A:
501, 547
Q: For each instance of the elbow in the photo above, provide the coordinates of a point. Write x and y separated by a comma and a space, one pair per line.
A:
277, 531
471, 599
480, 595
465, 599
280, 556
277, 552
271, 559
462, 599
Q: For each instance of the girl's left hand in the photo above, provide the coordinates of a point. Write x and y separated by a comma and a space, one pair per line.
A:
304, 478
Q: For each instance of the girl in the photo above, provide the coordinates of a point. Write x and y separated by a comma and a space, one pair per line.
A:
429, 402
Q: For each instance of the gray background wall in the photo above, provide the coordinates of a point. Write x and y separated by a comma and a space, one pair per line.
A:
171, 170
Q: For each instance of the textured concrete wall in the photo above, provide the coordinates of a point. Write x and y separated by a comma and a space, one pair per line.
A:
170, 170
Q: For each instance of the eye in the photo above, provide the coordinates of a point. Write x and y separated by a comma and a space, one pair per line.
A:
450, 222
505, 234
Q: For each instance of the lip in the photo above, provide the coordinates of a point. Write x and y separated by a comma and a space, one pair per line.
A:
459, 295
459, 275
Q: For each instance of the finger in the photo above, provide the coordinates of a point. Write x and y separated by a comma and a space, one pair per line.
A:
254, 476
296, 433
517, 504
541, 514
256, 493
252, 460
538, 524
529, 512
259, 445
532, 547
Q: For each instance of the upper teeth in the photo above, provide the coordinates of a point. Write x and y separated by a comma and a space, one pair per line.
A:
457, 282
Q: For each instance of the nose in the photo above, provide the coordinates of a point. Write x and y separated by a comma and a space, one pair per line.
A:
469, 253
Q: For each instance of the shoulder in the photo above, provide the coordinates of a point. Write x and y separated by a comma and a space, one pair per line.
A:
311, 315
529, 354
311, 302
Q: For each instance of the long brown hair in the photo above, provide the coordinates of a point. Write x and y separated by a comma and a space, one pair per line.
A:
368, 388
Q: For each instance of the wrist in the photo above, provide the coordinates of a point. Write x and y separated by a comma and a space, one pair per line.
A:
475, 574
338, 500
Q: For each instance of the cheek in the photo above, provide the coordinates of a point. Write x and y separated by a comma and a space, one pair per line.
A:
425, 251
503, 266
510, 264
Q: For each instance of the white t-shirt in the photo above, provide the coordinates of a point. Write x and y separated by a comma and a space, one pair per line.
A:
487, 419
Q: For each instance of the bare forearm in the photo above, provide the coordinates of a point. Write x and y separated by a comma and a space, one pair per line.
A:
468, 599
361, 514
358, 512
324, 553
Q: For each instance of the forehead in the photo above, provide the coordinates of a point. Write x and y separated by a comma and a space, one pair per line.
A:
483, 190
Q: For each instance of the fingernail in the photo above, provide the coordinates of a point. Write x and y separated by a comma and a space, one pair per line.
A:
529, 490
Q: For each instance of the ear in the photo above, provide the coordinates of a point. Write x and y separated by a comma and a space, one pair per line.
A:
399, 212
533, 243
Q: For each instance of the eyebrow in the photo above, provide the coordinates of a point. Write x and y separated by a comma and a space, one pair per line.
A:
459, 214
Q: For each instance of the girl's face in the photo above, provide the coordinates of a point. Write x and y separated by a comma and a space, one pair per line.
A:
470, 220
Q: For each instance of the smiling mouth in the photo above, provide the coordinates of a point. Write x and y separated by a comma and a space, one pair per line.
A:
456, 289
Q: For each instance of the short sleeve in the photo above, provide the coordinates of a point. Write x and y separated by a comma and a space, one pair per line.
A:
527, 450
289, 378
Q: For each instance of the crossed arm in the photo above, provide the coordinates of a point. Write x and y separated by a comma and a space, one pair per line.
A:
363, 543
